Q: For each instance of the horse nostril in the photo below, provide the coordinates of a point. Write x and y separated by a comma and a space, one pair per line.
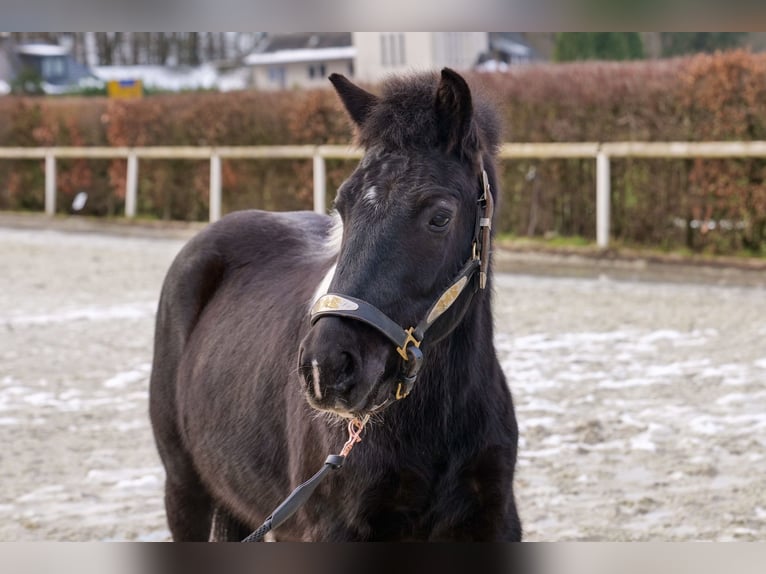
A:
326, 371
339, 372
347, 366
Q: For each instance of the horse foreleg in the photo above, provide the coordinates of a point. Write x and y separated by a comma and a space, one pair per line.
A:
226, 528
189, 509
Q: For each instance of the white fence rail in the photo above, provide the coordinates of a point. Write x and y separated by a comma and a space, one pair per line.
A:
600, 152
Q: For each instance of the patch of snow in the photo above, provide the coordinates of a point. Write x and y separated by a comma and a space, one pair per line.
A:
631, 382
154, 536
139, 482
537, 421
104, 313
704, 425
124, 476
130, 426
642, 442
537, 404
42, 493
123, 379
732, 398
204, 77
662, 335
542, 453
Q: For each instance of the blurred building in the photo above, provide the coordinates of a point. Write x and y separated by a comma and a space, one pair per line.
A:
381, 53
512, 48
258, 60
303, 60
6, 64
42, 68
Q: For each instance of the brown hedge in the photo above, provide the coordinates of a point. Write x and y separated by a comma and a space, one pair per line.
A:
705, 97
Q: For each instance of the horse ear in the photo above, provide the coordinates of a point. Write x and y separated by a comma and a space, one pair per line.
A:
454, 113
358, 102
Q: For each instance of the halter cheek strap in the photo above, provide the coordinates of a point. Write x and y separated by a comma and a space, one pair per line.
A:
408, 341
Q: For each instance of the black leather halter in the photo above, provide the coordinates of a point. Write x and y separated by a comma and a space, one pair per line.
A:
408, 341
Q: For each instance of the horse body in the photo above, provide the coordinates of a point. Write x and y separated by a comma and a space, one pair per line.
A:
247, 398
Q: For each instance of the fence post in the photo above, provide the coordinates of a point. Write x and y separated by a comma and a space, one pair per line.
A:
215, 187
50, 183
320, 183
603, 191
131, 185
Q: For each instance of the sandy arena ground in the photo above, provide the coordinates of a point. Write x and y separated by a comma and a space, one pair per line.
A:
642, 405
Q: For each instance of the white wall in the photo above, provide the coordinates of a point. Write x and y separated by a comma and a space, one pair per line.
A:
458, 50
373, 63
422, 51
296, 74
379, 54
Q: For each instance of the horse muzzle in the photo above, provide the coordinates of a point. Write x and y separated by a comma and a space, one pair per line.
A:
341, 365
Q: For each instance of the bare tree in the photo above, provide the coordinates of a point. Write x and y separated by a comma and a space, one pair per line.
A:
142, 48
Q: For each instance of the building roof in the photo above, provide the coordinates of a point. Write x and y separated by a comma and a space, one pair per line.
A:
304, 41
511, 43
303, 47
291, 56
41, 50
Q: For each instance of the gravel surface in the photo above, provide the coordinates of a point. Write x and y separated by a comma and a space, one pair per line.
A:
642, 405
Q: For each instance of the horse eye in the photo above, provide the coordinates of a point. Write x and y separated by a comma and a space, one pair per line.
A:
439, 221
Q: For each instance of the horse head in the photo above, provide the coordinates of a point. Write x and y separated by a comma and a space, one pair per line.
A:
411, 255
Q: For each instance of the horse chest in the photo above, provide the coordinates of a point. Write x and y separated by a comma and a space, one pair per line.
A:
420, 501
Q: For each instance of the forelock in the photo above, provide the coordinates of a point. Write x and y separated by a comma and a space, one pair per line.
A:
405, 116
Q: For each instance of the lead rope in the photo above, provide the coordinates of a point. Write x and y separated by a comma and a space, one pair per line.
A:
301, 494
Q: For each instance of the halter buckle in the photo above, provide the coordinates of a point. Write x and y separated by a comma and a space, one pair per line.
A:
410, 375
410, 339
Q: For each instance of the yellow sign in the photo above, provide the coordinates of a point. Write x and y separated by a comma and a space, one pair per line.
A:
125, 89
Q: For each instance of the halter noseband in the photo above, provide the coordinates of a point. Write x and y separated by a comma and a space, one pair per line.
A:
408, 341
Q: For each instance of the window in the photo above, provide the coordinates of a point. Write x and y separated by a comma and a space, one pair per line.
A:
53, 67
451, 43
384, 49
278, 76
317, 72
392, 50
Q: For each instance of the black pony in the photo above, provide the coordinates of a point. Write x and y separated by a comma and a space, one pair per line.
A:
257, 369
